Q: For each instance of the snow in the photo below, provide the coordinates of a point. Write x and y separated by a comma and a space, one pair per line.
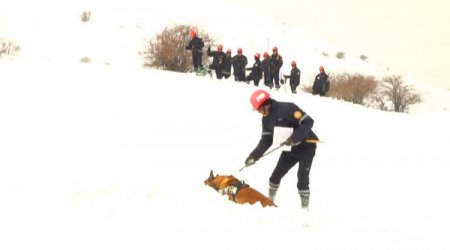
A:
108, 155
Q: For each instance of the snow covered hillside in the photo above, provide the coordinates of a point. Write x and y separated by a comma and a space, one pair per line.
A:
94, 157
52, 31
108, 155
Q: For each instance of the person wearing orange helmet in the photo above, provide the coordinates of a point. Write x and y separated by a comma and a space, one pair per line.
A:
321, 83
287, 123
276, 61
218, 60
196, 46
266, 69
239, 62
256, 71
294, 77
226, 69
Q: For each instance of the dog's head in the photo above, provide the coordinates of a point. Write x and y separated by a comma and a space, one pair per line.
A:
219, 181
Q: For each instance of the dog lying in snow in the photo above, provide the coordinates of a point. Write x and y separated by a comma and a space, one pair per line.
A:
237, 190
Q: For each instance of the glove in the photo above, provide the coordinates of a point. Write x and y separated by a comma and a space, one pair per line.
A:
289, 142
250, 161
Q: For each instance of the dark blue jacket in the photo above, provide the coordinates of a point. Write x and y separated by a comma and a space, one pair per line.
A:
218, 58
321, 84
286, 114
294, 77
256, 69
196, 45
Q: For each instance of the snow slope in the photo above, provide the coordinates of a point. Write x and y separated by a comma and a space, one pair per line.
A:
94, 157
108, 155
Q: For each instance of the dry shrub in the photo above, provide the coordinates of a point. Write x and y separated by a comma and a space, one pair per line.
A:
168, 50
85, 59
391, 94
340, 55
355, 88
400, 95
85, 16
363, 57
8, 47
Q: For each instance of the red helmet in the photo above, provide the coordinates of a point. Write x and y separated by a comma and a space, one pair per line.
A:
220, 47
259, 97
192, 32
293, 63
239, 50
321, 69
266, 55
257, 55
275, 49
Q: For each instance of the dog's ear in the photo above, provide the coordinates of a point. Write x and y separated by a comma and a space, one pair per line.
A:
211, 175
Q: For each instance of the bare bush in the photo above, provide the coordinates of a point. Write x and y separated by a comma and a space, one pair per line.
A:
340, 55
168, 50
400, 95
85, 59
325, 53
363, 57
8, 47
85, 16
355, 88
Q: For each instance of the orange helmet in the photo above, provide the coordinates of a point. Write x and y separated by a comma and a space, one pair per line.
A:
220, 47
192, 32
258, 97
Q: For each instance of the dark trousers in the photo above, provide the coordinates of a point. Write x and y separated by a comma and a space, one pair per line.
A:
253, 78
315, 92
286, 161
197, 60
275, 78
218, 71
239, 76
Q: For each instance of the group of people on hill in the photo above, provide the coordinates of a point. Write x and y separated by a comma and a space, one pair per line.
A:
267, 69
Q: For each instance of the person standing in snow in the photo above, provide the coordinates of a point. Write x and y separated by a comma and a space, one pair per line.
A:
256, 71
282, 120
294, 77
226, 70
218, 60
239, 62
196, 46
276, 62
321, 83
267, 69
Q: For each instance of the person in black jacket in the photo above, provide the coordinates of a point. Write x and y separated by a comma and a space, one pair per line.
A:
239, 62
266, 70
276, 62
256, 71
285, 119
294, 77
321, 83
196, 46
226, 70
218, 60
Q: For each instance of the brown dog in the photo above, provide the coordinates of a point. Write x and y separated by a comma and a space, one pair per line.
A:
237, 190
